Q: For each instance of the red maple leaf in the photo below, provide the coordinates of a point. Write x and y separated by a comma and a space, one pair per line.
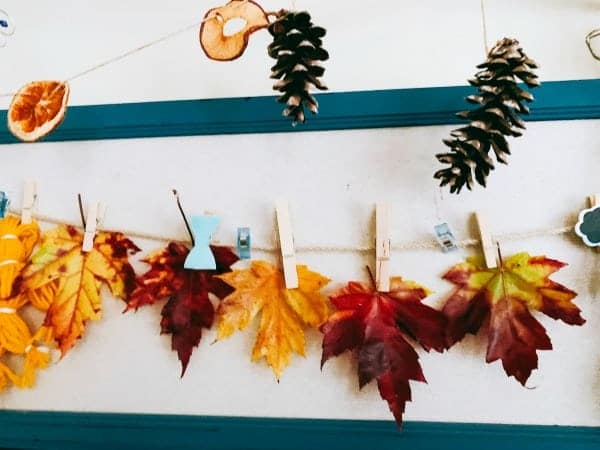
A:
506, 295
188, 309
374, 325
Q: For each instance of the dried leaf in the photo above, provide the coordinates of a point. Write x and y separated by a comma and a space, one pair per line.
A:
188, 309
375, 325
78, 277
507, 295
261, 288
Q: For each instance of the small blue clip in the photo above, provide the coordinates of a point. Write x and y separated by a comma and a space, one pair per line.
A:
4, 202
243, 243
444, 236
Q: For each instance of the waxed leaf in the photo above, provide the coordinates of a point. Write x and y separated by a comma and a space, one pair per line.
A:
284, 312
375, 326
507, 295
188, 309
75, 278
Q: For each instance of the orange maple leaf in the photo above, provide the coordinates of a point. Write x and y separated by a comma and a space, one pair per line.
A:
261, 288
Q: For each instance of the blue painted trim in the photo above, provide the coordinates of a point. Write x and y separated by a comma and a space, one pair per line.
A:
559, 100
89, 431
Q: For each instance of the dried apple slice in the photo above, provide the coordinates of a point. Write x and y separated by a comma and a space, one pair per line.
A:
221, 47
37, 109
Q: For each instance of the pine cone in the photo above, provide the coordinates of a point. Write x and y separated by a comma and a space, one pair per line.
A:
297, 46
501, 101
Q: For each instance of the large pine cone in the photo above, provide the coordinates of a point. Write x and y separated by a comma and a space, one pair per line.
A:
297, 46
501, 101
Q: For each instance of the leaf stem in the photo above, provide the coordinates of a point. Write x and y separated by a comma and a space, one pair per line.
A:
499, 254
185, 220
372, 278
81, 213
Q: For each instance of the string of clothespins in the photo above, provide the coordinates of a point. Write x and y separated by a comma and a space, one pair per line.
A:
201, 229
444, 238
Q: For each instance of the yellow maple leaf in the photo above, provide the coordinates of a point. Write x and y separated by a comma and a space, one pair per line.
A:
284, 311
70, 280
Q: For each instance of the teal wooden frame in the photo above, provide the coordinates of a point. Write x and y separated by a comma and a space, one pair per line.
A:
87, 431
561, 100
557, 100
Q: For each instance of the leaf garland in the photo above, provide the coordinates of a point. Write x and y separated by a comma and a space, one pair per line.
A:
375, 327
65, 282
284, 312
188, 309
507, 295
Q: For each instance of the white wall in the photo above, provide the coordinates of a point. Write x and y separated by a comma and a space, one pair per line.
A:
385, 45
332, 180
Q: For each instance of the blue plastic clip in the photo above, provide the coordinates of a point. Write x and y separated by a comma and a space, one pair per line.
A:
4, 202
244, 243
444, 236
201, 256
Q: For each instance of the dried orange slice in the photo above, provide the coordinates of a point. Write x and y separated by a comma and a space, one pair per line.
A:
37, 109
221, 47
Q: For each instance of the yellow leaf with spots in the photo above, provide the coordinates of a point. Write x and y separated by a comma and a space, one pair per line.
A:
70, 279
284, 312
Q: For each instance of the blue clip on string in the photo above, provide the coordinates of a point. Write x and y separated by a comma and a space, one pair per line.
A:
3, 204
243, 243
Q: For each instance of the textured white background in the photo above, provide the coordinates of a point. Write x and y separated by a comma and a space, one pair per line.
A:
332, 180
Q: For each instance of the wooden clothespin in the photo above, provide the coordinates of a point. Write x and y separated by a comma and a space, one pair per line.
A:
95, 216
286, 243
489, 247
29, 197
383, 246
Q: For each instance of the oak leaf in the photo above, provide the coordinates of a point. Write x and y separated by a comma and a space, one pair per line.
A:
73, 278
506, 295
375, 325
188, 309
284, 312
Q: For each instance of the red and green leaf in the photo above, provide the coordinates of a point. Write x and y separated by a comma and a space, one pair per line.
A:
507, 295
375, 326
188, 309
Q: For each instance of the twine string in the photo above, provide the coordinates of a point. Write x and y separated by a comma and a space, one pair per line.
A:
429, 244
484, 28
126, 54
142, 47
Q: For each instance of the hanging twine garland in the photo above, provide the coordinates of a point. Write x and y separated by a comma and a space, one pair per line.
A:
407, 245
